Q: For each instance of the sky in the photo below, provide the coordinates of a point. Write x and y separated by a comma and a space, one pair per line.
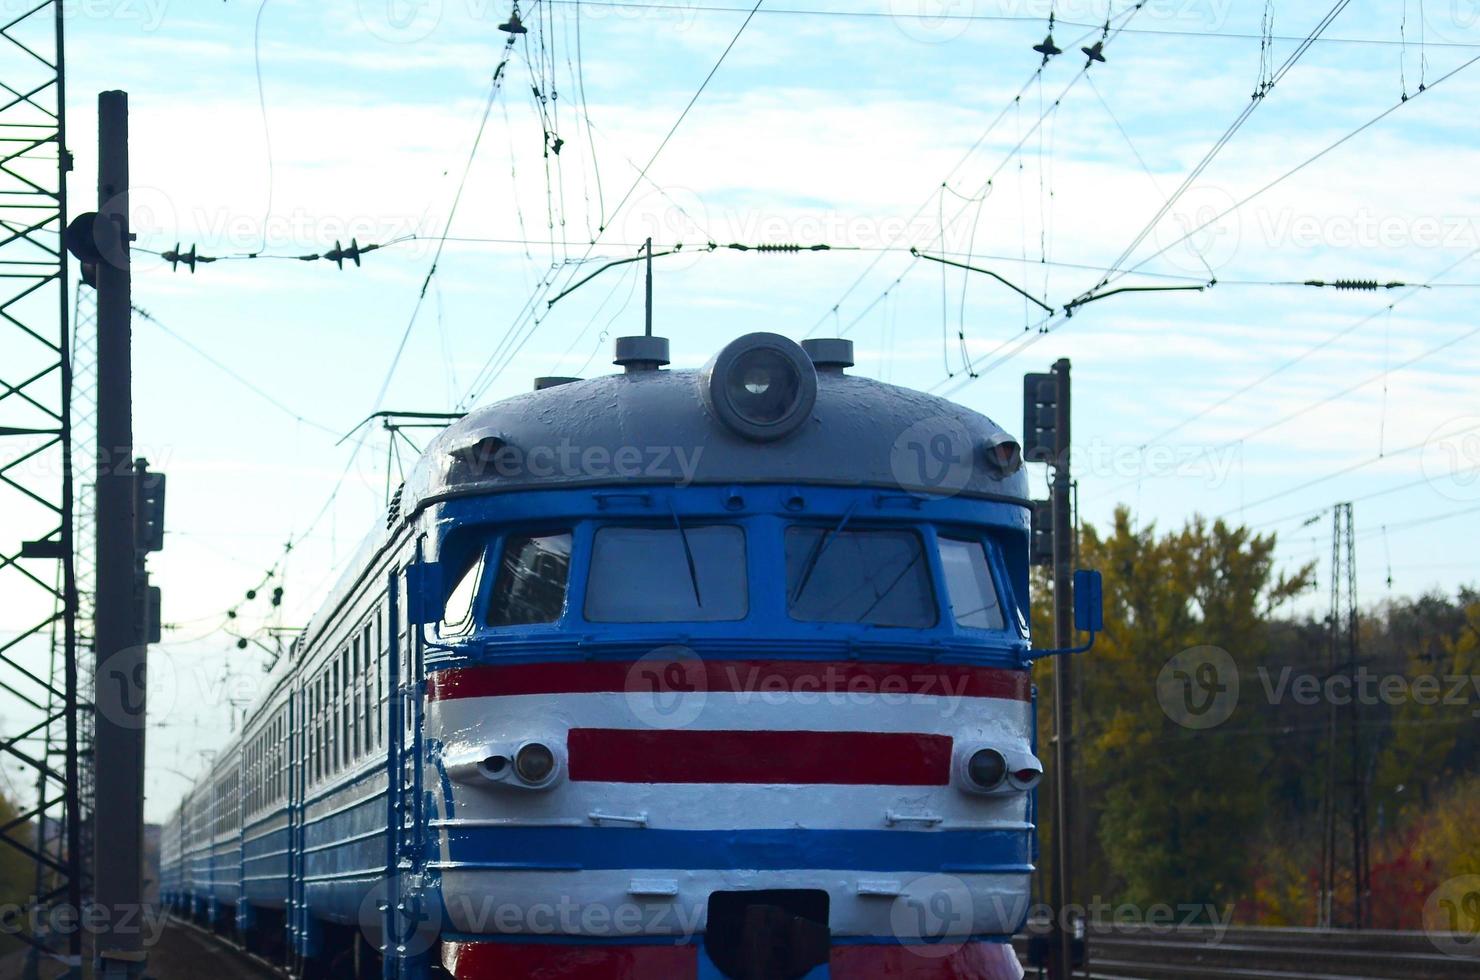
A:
279, 128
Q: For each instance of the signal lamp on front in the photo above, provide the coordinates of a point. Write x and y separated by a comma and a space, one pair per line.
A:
761, 386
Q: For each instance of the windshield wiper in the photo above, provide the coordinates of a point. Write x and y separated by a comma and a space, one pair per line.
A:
688, 554
817, 550
880, 597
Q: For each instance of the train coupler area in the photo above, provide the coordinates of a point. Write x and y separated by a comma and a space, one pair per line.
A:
768, 935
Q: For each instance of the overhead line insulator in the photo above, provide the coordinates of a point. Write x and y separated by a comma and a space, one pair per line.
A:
783, 247
1358, 285
174, 257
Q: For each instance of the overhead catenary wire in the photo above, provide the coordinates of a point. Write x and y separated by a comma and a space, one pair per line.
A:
1136, 152
1047, 323
1223, 140
1308, 161
586, 114
1307, 516
529, 317
944, 182
1346, 470
1335, 396
231, 372
494, 88
947, 17
1119, 21
266, 127
1306, 353
1417, 522
346, 253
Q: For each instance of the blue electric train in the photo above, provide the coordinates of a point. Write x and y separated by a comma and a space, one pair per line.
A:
664, 674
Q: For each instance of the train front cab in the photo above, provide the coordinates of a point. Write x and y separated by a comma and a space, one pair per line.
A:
758, 731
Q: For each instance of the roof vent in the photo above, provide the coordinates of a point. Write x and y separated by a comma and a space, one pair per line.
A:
830, 354
641, 353
540, 384
393, 512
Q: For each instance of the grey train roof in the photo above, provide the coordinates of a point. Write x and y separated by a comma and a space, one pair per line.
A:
649, 426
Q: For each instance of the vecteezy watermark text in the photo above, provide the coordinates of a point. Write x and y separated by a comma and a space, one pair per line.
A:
568, 461
1199, 687
1365, 687
92, 919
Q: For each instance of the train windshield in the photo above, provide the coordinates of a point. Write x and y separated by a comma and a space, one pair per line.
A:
532, 578
877, 577
667, 575
969, 584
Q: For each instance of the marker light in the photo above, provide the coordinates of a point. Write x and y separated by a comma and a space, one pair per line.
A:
495, 766
1026, 778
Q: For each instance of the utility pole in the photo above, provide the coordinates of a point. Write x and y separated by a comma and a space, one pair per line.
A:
1046, 438
118, 752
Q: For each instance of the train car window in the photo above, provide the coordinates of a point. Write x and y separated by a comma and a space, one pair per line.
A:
878, 577
331, 744
668, 575
457, 612
344, 706
367, 690
532, 578
383, 650
352, 699
311, 729
331, 716
969, 585
321, 720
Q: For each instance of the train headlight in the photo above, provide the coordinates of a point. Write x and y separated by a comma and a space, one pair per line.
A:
761, 385
986, 768
535, 763
990, 771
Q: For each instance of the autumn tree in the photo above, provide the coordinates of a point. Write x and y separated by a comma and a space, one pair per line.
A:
1169, 808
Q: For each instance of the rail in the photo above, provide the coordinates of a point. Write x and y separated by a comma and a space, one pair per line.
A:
1265, 953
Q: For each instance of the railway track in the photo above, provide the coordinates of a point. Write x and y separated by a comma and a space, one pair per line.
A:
1255, 953
184, 946
1184, 953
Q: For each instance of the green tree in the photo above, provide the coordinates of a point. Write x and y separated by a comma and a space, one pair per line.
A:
1169, 808
17, 873
1430, 723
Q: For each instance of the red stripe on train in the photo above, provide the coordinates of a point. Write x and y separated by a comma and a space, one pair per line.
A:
685, 674
518, 961
971, 961
521, 961
616, 755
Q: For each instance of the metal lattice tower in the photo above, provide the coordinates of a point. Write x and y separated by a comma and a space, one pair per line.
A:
1345, 860
84, 531
38, 691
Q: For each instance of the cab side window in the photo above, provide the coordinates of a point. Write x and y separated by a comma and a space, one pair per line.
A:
969, 584
457, 612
